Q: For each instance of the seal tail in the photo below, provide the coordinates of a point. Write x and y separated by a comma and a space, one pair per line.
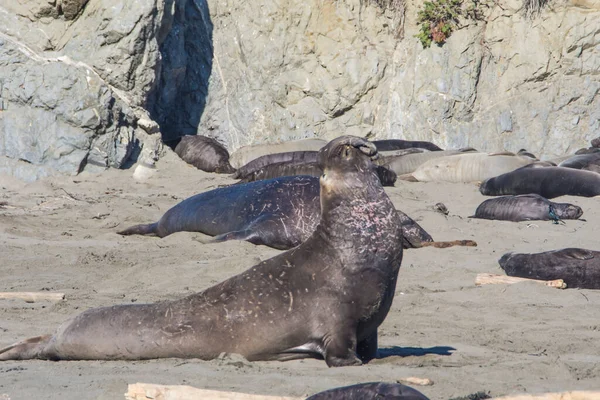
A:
143, 229
443, 245
27, 349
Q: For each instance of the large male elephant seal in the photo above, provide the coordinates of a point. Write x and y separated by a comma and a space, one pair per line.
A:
579, 268
324, 298
469, 167
526, 207
374, 390
204, 153
397, 144
548, 182
279, 213
246, 154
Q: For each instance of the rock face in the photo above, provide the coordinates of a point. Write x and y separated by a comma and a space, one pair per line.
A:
88, 84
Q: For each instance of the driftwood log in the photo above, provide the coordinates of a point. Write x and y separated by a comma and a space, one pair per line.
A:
32, 297
489, 279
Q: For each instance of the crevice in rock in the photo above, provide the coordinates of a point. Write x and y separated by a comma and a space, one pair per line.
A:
178, 99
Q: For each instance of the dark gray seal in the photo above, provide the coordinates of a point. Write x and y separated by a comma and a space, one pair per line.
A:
579, 268
260, 162
526, 207
279, 213
287, 307
589, 150
374, 390
204, 153
548, 182
397, 144
582, 161
299, 167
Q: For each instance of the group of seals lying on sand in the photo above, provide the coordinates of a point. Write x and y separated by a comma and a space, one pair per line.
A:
284, 308
549, 182
526, 207
579, 268
279, 213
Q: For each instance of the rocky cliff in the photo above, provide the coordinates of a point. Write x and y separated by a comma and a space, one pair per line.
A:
90, 84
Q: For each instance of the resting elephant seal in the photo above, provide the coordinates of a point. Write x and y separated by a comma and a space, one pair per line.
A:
262, 161
406, 163
579, 268
470, 167
324, 298
204, 153
299, 167
397, 144
526, 207
279, 213
548, 182
374, 390
245, 154
581, 161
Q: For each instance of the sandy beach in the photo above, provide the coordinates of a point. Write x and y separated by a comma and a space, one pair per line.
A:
58, 235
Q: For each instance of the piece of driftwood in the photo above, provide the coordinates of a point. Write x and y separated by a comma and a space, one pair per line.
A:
412, 380
443, 245
147, 391
575, 395
488, 279
32, 297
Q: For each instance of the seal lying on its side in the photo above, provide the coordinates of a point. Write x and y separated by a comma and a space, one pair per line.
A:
526, 207
244, 155
262, 161
549, 182
397, 144
579, 268
279, 213
582, 161
299, 167
324, 298
374, 390
204, 153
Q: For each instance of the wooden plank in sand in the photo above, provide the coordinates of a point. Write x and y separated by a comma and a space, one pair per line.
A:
32, 297
488, 279
575, 395
146, 391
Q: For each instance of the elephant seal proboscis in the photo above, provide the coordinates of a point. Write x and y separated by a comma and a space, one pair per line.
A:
324, 298
204, 153
526, 207
279, 213
469, 167
579, 268
373, 390
398, 144
548, 182
299, 167
244, 155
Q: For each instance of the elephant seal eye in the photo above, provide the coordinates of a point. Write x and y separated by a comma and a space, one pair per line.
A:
347, 151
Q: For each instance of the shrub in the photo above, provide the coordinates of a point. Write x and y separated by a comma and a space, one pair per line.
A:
438, 19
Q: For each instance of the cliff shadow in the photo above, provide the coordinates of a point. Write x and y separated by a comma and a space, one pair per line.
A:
185, 41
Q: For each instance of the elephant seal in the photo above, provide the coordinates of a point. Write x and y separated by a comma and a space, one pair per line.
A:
581, 161
324, 299
204, 153
589, 150
526, 207
579, 268
406, 163
548, 182
397, 144
299, 167
262, 161
470, 167
595, 142
373, 390
244, 155
279, 213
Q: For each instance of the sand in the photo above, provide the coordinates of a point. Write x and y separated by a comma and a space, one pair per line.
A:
58, 234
